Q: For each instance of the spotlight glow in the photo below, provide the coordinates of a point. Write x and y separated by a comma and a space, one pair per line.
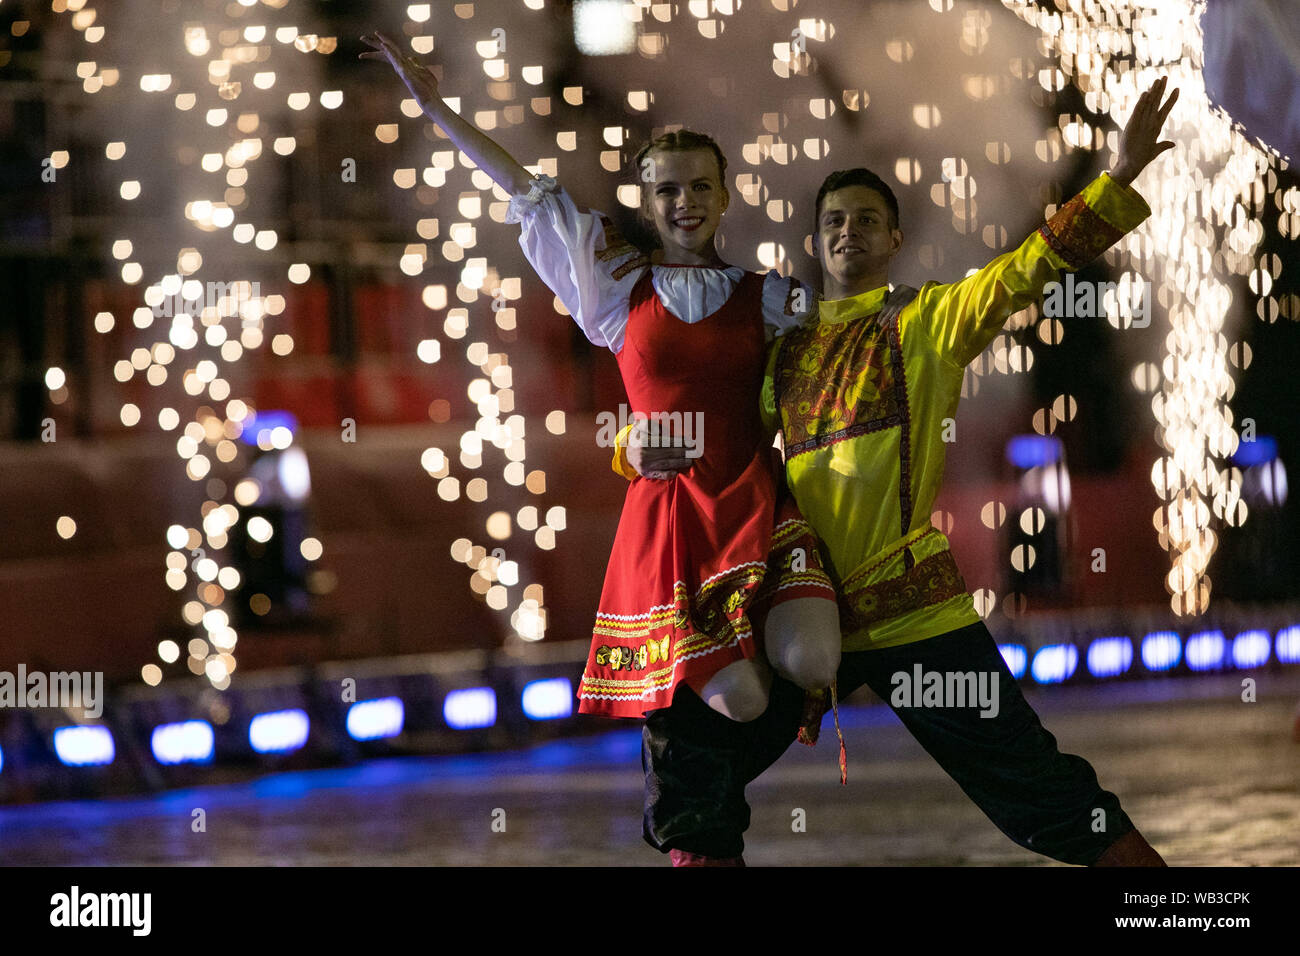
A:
1033, 451
84, 746
1250, 649
1287, 646
1161, 651
1054, 663
278, 732
374, 719
188, 742
1204, 650
470, 708
548, 699
601, 28
1109, 656
1015, 657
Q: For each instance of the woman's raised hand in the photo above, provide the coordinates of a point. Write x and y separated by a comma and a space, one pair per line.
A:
419, 79
469, 139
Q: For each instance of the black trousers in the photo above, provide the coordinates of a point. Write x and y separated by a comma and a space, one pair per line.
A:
698, 762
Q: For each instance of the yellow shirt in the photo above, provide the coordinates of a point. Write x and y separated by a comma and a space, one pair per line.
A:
862, 411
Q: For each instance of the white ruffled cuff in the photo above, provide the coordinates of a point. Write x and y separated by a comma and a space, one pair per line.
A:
522, 206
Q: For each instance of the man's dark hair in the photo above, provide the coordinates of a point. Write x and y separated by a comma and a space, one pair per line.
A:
843, 178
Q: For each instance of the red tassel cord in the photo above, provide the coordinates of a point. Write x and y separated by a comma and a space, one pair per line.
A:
814, 709
844, 754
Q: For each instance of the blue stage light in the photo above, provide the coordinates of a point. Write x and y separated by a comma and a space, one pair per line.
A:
1054, 663
1250, 649
1287, 645
470, 708
1015, 657
548, 699
1109, 656
1258, 452
374, 719
1033, 451
2, 758
1161, 650
84, 746
188, 742
1204, 650
278, 732
267, 421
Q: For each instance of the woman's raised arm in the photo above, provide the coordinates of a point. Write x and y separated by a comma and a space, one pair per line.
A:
590, 270
473, 142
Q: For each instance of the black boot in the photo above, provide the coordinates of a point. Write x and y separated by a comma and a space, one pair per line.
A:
1131, 849
695, 788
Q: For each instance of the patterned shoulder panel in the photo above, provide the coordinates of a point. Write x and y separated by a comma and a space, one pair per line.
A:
617, 247
836, 381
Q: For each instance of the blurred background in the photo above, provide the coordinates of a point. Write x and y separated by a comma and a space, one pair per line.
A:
283, 407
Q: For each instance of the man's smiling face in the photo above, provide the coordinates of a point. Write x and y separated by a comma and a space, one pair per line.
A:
856, 237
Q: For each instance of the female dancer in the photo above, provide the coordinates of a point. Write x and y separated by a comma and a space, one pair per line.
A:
702, 560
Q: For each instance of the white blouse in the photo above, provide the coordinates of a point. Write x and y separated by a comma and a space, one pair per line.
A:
568, 249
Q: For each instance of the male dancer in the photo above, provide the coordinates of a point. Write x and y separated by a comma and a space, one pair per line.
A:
861, 405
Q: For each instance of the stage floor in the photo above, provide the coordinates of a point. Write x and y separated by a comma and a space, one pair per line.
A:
1209, 779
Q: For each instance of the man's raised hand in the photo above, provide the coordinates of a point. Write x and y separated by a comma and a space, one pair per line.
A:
1140, 142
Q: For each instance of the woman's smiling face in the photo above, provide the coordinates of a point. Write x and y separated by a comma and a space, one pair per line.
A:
686, 199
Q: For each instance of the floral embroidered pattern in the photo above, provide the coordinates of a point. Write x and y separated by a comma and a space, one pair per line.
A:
854, 357
623, 666
618, 658
931, 581
686, 629
795, 552
1078, 234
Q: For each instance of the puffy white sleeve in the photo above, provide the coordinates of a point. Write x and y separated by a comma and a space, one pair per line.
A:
787, 304
582, 258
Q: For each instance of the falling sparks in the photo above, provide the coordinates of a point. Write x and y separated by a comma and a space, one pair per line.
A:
1215, 179
221, 75
241, 91
235, 81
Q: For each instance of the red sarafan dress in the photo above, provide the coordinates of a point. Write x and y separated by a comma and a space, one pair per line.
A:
698, 559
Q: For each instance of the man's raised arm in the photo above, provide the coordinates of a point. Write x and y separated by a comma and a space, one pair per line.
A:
963, 317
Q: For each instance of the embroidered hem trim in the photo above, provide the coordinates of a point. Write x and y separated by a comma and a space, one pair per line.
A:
686, 629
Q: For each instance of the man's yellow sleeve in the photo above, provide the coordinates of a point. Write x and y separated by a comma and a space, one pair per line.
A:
620, 464
963, 317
